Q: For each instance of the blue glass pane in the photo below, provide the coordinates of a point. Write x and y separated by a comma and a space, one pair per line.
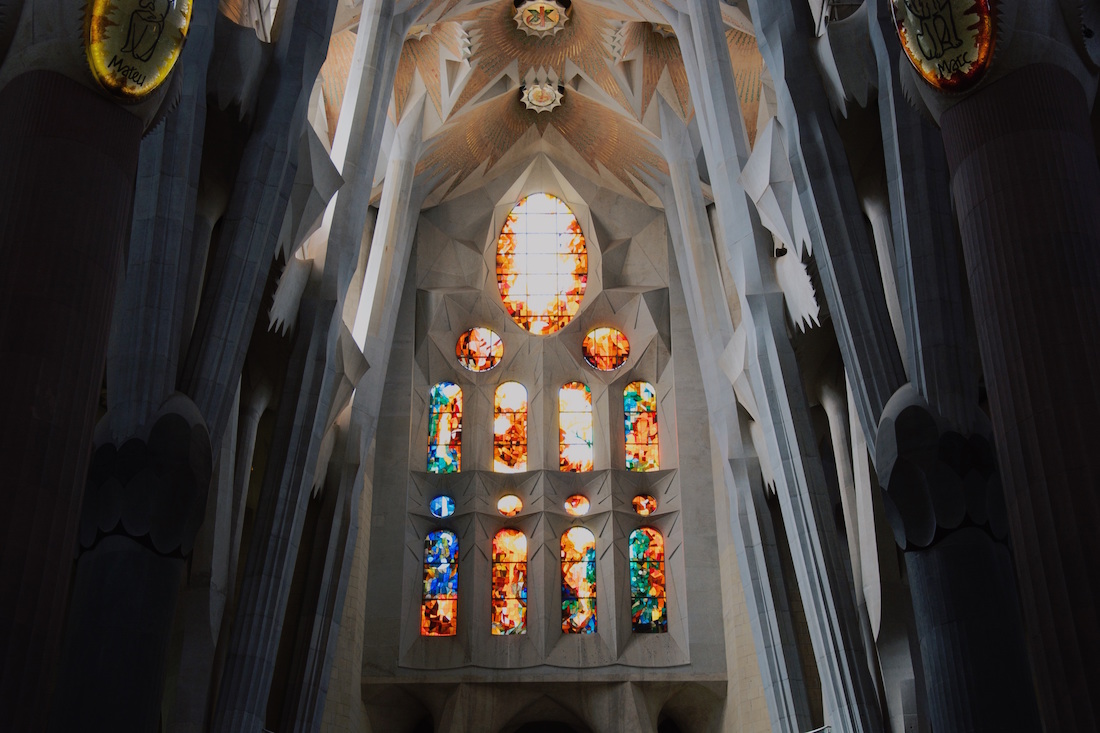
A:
441, 581
440, 546
442, 506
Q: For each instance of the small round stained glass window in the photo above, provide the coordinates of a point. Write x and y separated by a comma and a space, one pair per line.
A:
442, 506
479, 349
605, 348
542, 264
644, 504
577, 505
509, 505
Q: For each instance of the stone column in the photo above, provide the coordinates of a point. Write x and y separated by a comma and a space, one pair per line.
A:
1026, 185
68, 158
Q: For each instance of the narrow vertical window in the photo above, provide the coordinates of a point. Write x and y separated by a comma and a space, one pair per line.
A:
647, 581
510, 428
509, 582
439, 609
445, 428
578, 581
640, 421
575, 426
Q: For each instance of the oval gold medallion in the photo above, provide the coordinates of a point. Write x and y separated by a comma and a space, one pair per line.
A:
949, 42
132, 45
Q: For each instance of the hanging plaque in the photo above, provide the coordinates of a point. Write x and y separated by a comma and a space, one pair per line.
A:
949, 42
132, 45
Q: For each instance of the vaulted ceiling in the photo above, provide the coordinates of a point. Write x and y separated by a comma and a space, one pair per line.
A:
612, 59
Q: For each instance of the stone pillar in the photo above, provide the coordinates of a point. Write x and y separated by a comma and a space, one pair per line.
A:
944, 503
1026, 185
68, 159
142, 509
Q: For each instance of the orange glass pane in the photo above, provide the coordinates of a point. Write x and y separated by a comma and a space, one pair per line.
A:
509, 595
644, 504
578, 581
479, 349
575, 427
445, 428
577, 505
510, 428
542, 264
605, 348
439, 618
640, 423
510, 506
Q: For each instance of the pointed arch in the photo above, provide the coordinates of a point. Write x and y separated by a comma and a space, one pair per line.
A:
439, 607
510, 428
640, 423
509, 582
445, 428
578, 581
648, 612
575, 427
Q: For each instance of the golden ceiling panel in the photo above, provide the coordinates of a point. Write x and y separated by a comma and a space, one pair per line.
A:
423, 55
498, 44
601, 136
748, 65
658, 53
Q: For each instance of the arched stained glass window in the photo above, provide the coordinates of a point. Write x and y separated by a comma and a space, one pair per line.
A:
575, 426
647, 581
578, 581
509, 582
510, 428
445, 428
439, 609
640, 421
542, 264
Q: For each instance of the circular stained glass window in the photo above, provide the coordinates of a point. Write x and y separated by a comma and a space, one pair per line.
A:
605, 348
479, 349
542, 264
442, 506
577, 505
509, 505
644, 504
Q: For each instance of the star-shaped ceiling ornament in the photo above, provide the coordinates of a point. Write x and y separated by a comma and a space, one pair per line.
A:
541, 18
541, 97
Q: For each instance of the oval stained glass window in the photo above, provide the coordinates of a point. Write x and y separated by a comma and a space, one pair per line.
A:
577, 505
479, 349
442, 506
510, 505
644, 504
542, 264
605, 348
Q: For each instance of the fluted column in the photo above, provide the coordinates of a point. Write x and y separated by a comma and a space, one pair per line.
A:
1026, 185
68, 158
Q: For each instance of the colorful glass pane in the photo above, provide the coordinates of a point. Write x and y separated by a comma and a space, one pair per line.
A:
509, 505
605, 348
647, 581
509, 582
445, 428
438, 610
640, 418
644, 504
578, 581
577, 505
542, 264
479, 349
575, 426
510, 428
442, 506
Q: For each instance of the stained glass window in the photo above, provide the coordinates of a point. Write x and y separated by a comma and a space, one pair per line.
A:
510, 428
640, 418
479, 349
442, 506
575, 426
577, 505
647, 581
439, 609
509, 582
605, 348
644, 504
445, 428
542, 264
578, 581
509, 505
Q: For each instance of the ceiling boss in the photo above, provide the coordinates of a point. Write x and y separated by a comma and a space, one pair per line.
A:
132, 45
949, 42
541, 17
